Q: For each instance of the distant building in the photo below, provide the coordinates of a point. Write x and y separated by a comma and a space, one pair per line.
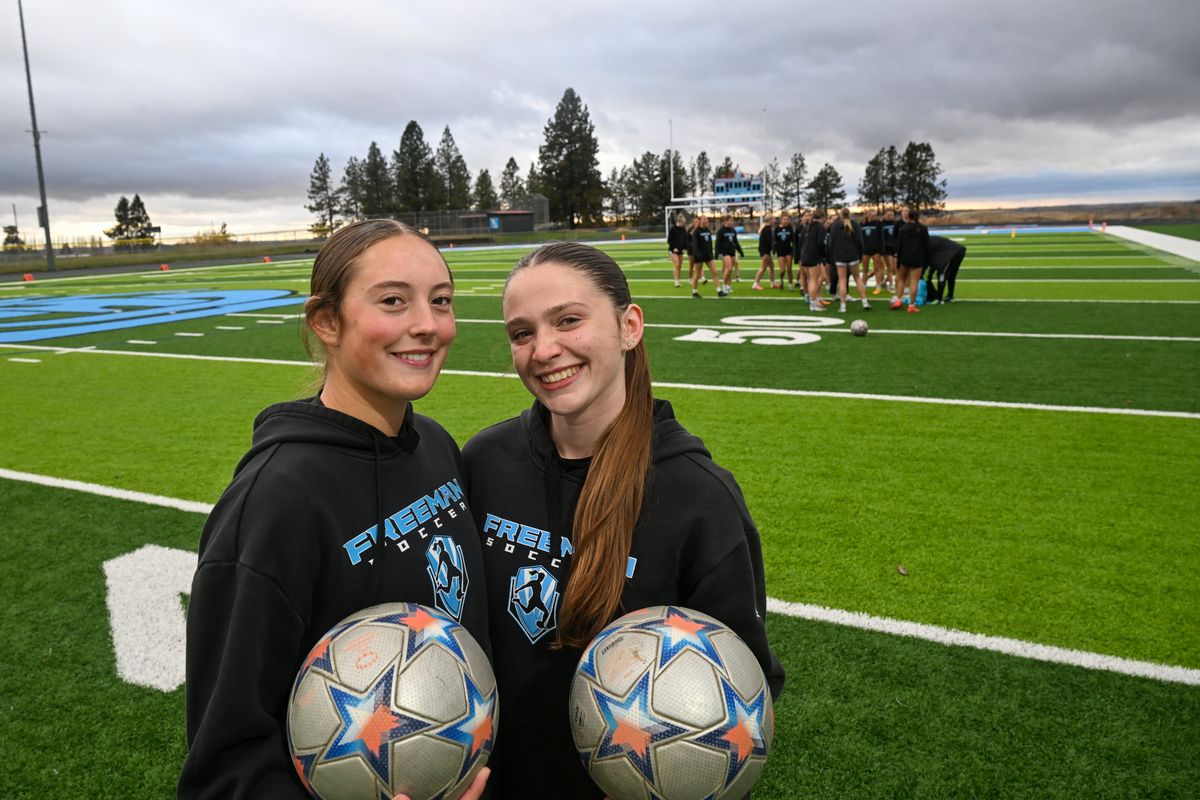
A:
738, 187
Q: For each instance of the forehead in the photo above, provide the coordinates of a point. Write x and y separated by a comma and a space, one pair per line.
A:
399, 258
534, 290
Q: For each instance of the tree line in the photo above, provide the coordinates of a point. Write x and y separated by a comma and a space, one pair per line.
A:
419, 178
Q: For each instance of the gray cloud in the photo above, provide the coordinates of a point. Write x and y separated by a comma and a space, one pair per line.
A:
234, 100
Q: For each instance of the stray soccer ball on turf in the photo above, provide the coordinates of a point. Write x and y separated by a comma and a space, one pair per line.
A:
859, 327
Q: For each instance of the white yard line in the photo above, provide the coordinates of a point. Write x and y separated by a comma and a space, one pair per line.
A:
26, 360
948, 401
997, 644
140, 341
931, 633
831, 329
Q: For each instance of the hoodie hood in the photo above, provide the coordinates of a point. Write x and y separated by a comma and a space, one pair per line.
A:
312, 422
670, 438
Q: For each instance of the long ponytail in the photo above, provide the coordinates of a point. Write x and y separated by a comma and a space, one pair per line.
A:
611, 500
847, 223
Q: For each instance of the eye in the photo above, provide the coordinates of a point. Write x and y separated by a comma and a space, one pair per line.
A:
519, 336
569, 321
392, 300
443, 301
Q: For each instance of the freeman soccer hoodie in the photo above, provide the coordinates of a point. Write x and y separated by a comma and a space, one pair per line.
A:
694, 545
290, 549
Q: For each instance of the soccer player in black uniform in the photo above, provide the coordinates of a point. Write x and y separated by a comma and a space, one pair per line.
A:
728, 248
619, 508
766, 243
912, 246
812, 254
702, 246
872, 236
945, 257
677, 245
845, 251
891, 230
783, 249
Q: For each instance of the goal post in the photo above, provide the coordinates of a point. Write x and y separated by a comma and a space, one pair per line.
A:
747, 206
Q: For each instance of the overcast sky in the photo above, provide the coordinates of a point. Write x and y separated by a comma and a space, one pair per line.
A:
215, 112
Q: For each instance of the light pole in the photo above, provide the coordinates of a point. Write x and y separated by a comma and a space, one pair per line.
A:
43, 209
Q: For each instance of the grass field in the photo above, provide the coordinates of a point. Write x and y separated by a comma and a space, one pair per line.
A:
1027, 454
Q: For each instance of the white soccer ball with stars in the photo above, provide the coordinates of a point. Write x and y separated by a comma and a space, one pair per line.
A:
394, 698
669, 703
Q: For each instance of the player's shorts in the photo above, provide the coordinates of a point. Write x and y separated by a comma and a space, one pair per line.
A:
845, 263
764, 252
783, 253
809, 266
890, 251
870, 252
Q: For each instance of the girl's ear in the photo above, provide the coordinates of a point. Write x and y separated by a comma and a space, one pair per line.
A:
324, 325
632, 326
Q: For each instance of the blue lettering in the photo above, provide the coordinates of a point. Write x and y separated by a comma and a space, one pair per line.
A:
544, 541
491, 523
437, 500
508, 529
404, 520
630, 566
528, 537
421, 510
564, 547
456, 491
360, 544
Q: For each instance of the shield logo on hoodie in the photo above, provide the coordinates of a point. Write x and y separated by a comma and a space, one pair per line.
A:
447, 570
533, 601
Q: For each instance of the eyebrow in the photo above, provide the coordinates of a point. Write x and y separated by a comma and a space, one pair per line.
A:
405, 286
550, 312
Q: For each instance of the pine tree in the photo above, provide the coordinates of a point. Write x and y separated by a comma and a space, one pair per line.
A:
323, 198
726, 169
139, 220
919, 175
452, 173
533, 184
351, 191
417, 185
704, 176
683, 181
512, 188
792, 184
772, 180
485, 193
568, 167
891, 176
120, 232
377, 186
825, 189
872, 189
12, 236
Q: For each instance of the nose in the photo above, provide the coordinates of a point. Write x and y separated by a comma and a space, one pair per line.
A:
421, 320
545, 346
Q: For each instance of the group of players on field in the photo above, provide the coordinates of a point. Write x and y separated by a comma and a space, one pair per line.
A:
825, 252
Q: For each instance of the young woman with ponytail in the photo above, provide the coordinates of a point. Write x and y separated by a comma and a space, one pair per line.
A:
592, 503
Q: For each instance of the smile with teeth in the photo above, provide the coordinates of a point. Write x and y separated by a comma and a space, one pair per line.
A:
415, 358
561, 375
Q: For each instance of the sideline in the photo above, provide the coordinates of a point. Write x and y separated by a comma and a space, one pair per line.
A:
898, 398
931, 633
1175, 245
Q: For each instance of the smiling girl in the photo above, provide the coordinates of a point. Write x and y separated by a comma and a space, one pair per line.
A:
593, 502
293, 545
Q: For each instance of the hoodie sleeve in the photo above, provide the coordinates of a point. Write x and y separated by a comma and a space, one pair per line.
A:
244, 640
730, 583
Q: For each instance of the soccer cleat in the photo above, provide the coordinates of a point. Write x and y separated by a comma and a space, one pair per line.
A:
866, 306
914, 310
757, 286
676, 284
877, 290
704, 280
815, 307
895, 303
842, 308
695, 294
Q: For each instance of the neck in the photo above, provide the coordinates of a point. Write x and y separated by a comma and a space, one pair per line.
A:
576, 435
388, 416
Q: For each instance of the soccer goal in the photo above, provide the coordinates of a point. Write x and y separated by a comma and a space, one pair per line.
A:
747, 208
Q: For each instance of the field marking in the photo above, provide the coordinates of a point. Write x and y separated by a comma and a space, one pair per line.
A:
897, 398
841, 329
26, 360
140, 341
932, 633
182, 333
107, 491
997, 644
256, 314
1175, 245
231, 327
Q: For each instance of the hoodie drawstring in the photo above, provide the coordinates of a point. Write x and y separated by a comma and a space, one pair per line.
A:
376, 571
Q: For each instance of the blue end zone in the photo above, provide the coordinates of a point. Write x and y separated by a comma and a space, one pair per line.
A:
110, 312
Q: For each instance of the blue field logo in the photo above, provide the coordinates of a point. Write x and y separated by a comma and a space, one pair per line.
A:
32, 319
447, 570
533, 601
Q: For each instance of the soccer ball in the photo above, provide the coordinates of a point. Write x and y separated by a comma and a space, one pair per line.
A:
859, 327
669, 703
394, 698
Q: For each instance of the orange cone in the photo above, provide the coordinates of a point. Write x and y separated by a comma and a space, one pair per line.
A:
622, 237
28, 276
163, 267
266, 259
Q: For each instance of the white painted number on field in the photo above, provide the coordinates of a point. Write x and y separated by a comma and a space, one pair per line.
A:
146, 614
773, 329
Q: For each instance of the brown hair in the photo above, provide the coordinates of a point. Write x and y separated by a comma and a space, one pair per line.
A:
612, 495
847, 225
335, 262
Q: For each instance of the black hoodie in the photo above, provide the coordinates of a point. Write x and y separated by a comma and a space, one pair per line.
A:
288, 551
694, 546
